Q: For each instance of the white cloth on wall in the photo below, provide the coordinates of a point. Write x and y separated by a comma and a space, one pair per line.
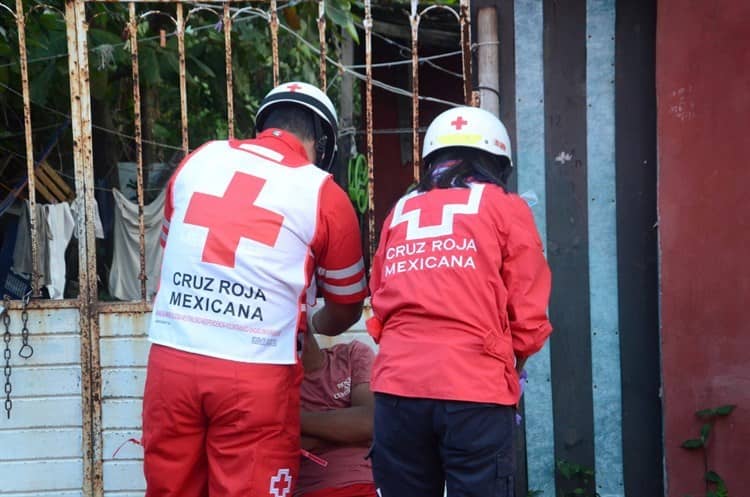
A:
126, 267
61, 225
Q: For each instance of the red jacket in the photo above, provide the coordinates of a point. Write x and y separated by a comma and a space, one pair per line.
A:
460, 288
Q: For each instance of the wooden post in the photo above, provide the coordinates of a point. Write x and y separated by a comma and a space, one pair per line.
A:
488, 59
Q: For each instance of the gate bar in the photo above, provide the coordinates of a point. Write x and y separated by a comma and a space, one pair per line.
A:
183, 85
30, 173
91, 381
228, 63
323, 44
414, 22
133, 29
368, 111
465, 24
274, 25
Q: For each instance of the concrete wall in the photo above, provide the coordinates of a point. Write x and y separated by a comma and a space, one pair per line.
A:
703, 91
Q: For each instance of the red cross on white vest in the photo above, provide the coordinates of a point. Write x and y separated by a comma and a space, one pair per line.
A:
233, 217
459, 122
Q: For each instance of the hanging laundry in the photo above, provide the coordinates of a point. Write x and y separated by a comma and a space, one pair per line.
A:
126, 267
106, 205
11, 284
76, 206
22, 251
61, 226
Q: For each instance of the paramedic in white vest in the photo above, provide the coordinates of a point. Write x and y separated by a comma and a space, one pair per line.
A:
460, 289
252, 229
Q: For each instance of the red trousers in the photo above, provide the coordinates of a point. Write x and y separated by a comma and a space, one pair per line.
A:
357, 490
218, 428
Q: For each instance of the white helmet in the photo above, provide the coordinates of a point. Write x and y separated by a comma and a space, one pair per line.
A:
312, 98
469, 127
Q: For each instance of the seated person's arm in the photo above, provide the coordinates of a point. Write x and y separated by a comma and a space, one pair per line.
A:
349, 425
335, 318
310, 443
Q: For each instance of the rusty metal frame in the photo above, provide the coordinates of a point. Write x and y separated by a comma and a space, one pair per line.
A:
322, 42
274, 24
76, 27
227, 25
371, 233
21, 20
181, 22
463, 18
137, 126
20, 17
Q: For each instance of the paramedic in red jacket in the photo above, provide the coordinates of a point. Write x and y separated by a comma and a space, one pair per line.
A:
460, 289
249, 225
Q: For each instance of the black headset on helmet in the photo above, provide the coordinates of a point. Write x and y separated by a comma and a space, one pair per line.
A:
320, 106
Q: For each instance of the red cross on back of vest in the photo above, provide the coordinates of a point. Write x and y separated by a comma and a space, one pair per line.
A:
232, 217
432, 208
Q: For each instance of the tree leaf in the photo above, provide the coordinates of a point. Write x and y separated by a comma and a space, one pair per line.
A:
40, 85
339, 12
725, 410
99, 84
565, 469
149, 66
705, 432
101, 37
207, 71
693, 443
721, 489
713, 477
706, 413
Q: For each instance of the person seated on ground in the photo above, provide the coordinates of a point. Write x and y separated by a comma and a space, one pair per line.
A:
337, 413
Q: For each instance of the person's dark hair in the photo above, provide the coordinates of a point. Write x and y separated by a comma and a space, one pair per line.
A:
463, 165
293, 118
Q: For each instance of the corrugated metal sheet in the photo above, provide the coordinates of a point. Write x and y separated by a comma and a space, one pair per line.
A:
123, 351
42, 450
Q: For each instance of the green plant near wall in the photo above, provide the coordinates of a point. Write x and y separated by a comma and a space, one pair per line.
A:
579, 474
715, 486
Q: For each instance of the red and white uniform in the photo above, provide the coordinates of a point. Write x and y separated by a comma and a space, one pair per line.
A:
248, 227
459, 289
245, 224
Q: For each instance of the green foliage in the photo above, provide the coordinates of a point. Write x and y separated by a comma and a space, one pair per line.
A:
534, 493
577, 474
111, 73
693, 443
715, 485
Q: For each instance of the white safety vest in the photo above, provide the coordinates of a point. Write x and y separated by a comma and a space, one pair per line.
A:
237, 264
